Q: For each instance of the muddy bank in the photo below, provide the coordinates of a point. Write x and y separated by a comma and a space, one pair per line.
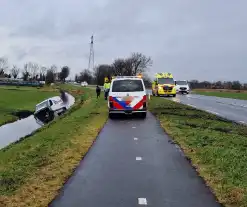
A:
22, 114
28, 124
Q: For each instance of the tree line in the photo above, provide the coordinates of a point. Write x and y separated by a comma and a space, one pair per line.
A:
232, 85
33, 72
133, 65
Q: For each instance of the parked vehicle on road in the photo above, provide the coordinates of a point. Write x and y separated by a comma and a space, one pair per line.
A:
163, 85
47, 110
182, 86
84, 83
127, 95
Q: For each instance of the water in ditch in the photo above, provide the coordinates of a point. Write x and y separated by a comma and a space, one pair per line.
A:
10, 133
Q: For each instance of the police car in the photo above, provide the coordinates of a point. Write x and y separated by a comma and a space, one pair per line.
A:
127, 95
48, 109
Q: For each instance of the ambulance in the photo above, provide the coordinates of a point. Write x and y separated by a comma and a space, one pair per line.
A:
127, 95
163, 85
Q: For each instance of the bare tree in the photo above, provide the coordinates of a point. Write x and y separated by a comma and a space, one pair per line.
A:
43, 70
42, 73
15, 71
101, 72
136, 63
50, 76
119, 66
34, 68
85, 75
53, 69
3, 65
139, 63
26, 73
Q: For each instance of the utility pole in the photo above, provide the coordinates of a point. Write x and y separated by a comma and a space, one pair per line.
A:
91, 56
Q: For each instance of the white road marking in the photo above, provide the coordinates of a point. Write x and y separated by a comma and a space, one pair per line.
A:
138, 158
135, 138
191, 105
142, 201
133, 127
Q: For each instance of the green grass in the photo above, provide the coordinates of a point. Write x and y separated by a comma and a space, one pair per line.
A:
217, 148
33, 170
14, 99
242, 96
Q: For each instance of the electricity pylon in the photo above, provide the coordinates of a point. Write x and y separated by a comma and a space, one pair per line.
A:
91, 56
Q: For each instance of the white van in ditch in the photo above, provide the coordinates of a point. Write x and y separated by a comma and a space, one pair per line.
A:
127, 95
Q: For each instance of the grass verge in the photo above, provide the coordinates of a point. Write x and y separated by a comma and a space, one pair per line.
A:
217, 148
17, 99
223, 94
32, 171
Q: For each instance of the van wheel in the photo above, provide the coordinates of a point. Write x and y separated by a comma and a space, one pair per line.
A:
49, 116
143, 115
174, 95
111, 116
64, 110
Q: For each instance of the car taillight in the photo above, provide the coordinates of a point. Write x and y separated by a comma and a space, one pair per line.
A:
145, 98
110, 101
144, 101
110, 98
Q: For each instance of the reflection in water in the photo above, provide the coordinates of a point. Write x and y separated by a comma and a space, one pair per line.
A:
12, 132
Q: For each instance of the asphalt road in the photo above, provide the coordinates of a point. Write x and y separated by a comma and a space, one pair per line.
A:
232, 109
133, 163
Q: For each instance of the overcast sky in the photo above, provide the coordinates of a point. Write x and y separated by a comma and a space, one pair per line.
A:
193, 39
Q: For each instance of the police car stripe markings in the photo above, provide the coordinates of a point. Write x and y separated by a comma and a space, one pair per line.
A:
117, 104
138, 158
142, 201
139, 104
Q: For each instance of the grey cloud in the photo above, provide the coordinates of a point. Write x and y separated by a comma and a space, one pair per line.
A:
18, 52
193, 39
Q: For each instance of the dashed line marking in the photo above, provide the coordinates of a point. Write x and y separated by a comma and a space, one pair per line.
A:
133, 127
138, 158
142, 201
135, 138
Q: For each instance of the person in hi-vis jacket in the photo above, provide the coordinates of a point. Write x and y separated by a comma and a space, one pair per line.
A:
107, 85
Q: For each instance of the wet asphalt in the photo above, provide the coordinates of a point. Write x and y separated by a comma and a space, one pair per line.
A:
231, 109
134, 163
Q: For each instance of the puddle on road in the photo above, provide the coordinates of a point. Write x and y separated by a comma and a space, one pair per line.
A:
10, 133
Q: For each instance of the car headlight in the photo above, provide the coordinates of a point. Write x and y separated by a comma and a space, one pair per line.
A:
160, 87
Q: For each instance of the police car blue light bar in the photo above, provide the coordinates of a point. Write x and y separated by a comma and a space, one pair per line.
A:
117, 77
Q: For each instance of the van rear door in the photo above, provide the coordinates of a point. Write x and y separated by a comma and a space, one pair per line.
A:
127, 94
